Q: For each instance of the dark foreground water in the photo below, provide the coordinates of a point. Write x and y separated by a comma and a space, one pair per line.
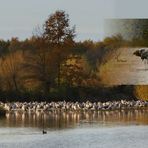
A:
114, 129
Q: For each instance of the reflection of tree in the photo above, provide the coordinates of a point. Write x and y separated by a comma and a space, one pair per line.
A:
71, 119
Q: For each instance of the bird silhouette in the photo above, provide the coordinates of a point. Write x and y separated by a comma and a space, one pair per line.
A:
44, 132
143, 53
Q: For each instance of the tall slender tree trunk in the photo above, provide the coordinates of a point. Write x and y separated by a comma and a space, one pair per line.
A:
59, 74
46, 88
15, 83
59, 66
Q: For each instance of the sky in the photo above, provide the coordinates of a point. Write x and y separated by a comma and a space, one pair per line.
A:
18, 18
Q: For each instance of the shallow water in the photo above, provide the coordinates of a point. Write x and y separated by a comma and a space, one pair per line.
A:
114, 129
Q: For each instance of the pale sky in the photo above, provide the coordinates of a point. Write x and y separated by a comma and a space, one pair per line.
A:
18, 18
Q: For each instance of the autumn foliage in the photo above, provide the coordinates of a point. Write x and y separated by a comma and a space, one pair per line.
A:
52, 64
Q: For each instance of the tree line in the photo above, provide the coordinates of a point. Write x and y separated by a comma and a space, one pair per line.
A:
51, 64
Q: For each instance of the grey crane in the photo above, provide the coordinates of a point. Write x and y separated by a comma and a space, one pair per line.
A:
143, 53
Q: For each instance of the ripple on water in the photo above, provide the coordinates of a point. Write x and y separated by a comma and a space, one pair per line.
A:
108, 129
87, 137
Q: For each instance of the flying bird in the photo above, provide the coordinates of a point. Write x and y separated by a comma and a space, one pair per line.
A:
143, 53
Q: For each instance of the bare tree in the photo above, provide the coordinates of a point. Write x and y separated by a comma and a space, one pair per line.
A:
39, 65
10, 68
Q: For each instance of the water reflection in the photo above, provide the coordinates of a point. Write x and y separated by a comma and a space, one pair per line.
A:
62, 120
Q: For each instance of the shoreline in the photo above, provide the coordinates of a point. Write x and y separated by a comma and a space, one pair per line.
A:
75, 106
75, 111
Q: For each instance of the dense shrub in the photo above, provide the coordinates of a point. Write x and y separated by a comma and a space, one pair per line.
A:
141, 92
67, 93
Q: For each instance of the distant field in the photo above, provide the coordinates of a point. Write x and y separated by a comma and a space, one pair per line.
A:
124, 68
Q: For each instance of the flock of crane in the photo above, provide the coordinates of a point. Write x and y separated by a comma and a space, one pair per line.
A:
74, 106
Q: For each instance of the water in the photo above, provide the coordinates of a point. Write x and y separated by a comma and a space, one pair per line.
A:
107, 129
